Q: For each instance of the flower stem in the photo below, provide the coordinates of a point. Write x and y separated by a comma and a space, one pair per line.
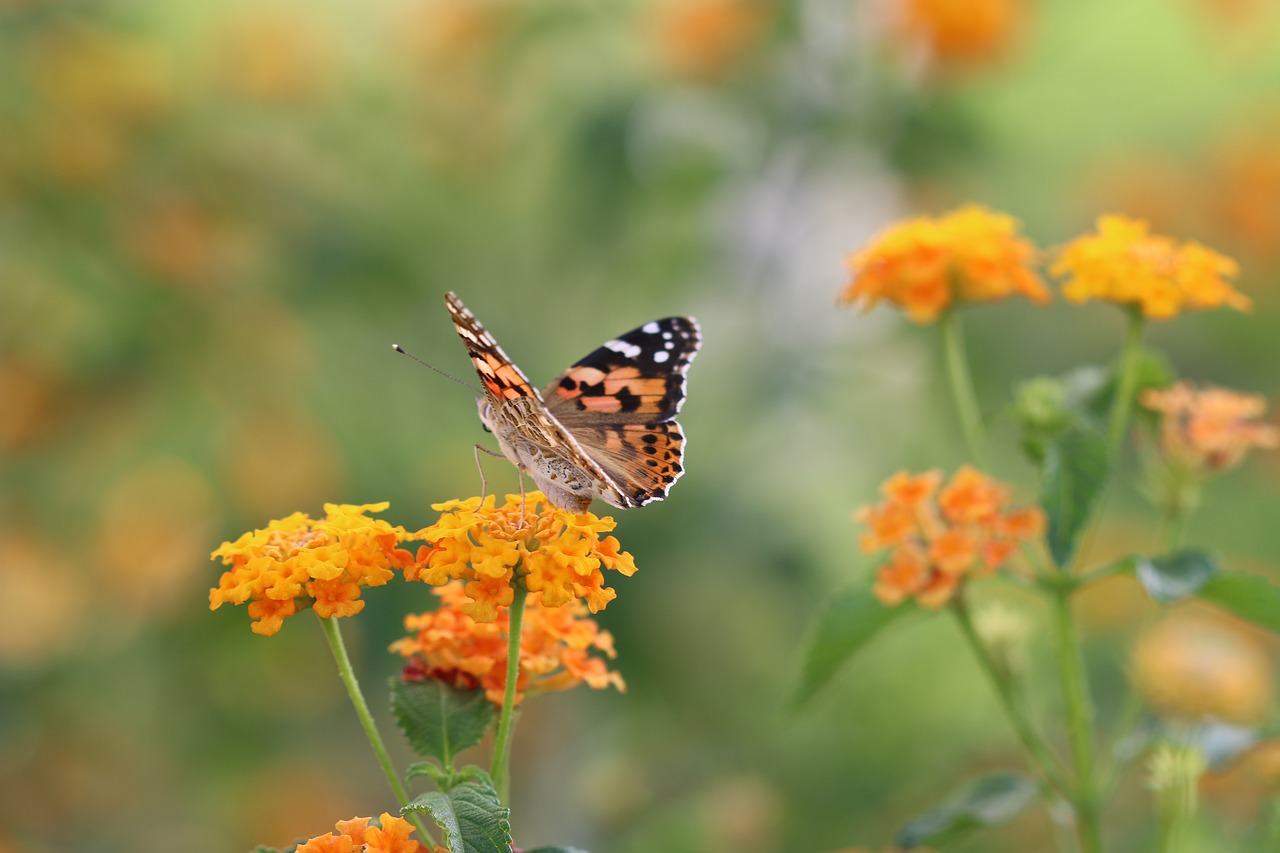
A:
1122, 402
348, 676
1079, 710
499, 769
1043, 759
962, 388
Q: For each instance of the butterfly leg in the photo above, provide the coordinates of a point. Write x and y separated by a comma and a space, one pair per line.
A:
484, 483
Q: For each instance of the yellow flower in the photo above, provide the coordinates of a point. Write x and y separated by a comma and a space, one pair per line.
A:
326, 562
926, 265
556, 647
1124, 263
552, 552
1209, 429
936, 543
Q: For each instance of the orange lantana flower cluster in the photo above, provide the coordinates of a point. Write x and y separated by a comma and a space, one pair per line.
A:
1125, 263
937, 542
556, 645
1210, 429
297, 559
555, 553
356, 836
926, 265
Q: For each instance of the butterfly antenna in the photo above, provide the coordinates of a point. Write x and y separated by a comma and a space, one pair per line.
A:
467, 385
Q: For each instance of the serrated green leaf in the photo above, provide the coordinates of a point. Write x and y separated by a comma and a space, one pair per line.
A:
440, 721
1075, 472
1174, 576
847, 623
984, 802
472, 817
1249, 596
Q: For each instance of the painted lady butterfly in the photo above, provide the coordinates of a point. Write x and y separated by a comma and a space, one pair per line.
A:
605, 428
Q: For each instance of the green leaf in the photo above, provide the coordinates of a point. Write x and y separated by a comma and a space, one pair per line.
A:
1251, 597
1075, 472
847, 623
984, 802
440, 721
473, 819
1174, 576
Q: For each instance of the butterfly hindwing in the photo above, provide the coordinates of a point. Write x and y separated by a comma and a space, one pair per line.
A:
644, 460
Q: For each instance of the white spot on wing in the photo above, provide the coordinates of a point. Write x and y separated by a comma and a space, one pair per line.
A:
650, 328
629, 350
661, 356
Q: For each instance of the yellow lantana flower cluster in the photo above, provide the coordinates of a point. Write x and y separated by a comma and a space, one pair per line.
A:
925, 265
356, 836
1123, 262
552, 552
936, 542
1210, 429
298, 559
556, 647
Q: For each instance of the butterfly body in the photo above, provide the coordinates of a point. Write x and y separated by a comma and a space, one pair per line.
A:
605, 428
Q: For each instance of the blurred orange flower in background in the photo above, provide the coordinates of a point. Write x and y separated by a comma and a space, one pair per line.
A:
1123, 262
962, 31
936, 543
706, 39
926, 265
1209, 429
1198, 664
556, 645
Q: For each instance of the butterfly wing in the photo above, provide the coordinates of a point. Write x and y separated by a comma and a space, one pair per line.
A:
620, 404
502, 380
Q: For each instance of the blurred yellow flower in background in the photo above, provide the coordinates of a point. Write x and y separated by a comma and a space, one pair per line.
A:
926, 265
1195, 665
1123, 262
556, 645
937, 543
325, 562
553, 552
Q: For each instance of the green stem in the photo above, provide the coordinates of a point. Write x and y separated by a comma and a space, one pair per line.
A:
1122, 403
499, 769
1042, 758
962, 388
1079, 710
348, 676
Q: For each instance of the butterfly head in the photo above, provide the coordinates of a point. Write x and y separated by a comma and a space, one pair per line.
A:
486, 413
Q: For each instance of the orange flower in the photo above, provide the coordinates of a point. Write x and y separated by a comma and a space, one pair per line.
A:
1197, 664
959, 31
392, 836
1123, 263
936, 544
556, 646
924, 265
325, 562
553, 552
1211, 429
704, 39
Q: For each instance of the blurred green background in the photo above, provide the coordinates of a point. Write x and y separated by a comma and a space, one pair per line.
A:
216, 217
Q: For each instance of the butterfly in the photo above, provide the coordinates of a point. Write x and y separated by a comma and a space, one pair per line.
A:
605, 428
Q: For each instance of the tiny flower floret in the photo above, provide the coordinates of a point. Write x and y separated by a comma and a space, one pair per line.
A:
558, 554
937, 538
1123, 262
299, 560
927, 265
560, 647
